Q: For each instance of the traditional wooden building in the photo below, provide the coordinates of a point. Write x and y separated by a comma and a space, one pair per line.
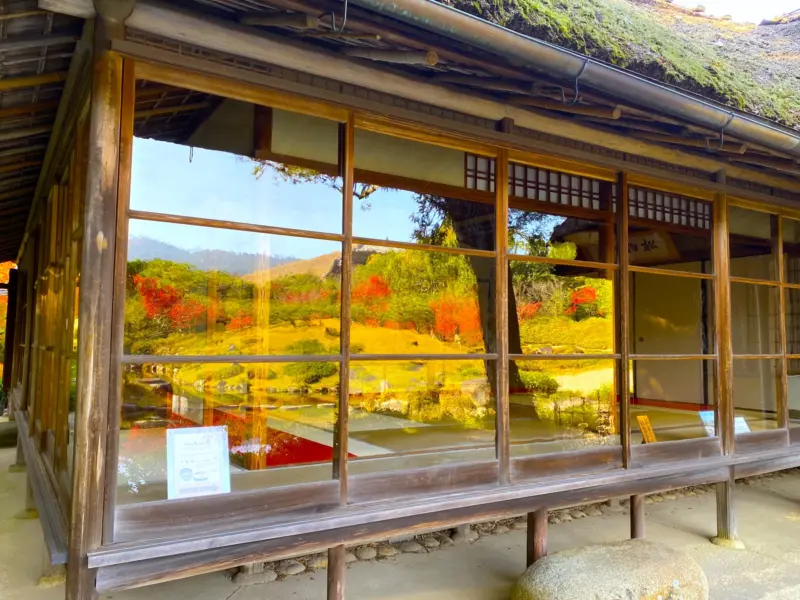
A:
299, 274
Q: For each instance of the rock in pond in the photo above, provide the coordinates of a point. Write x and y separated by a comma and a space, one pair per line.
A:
629, 569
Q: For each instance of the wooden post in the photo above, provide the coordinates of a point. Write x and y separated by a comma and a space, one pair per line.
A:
336, 572
537, 536
503, 449
10, 341
622, 321
95, 308
726, 524
637, 517
347, 141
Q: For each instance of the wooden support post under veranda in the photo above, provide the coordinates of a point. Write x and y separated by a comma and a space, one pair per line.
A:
537, 536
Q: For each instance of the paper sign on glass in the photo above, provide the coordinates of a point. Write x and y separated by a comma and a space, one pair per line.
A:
197, 462
740, 425
707, 417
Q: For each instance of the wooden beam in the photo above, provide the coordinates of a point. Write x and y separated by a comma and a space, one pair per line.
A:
23, 132
28, 109
779, 164
36, 41
297, 20
96, 302
20, 166
603, 112
16, 83
168, 110
536, 536
400, 57
637, 516
488, 83
735, 148
22, 15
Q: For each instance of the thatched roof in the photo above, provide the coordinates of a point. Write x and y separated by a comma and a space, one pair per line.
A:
750, 67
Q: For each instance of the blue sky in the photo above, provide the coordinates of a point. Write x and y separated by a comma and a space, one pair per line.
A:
218, 185
752, 11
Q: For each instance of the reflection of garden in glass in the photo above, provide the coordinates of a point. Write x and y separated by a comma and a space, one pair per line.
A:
413, 301
277, 415
233, 303
420, 405
563, 405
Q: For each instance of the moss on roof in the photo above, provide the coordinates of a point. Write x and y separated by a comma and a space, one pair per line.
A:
752, 68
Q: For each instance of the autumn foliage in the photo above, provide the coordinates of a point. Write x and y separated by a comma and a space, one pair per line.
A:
166, 304
455, 316
583, 303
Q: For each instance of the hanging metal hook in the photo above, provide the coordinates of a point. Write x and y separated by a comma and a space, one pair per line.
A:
344, 20
721, 135
576, 97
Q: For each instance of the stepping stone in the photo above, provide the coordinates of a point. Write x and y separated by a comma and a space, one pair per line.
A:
501, 529
577, 514
366, 553
291, 567
431, 542
411, 547
349, 557
629, 569
386, 551
593, 511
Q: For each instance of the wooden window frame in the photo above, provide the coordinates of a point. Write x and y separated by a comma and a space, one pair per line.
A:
759, 441
508, 472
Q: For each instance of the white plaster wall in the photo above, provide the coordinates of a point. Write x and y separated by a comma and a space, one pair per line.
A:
406, 158
228, 129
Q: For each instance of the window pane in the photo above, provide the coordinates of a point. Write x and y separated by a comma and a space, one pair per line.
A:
420, 302
669, 231
277, 415
400, 215
676, 398
419, 413
791, 250
557, 312
559, 406
229, 160
671, 315
755, 393
751, 236
754, 318
204, 291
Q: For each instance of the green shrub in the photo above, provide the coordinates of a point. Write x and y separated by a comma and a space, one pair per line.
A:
308, 373
539, 382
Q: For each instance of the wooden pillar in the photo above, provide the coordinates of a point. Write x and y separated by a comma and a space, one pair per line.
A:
502, 275
537, 536
10, 341
337, 566
341, 436
637, 517
96, 297
726, 524
622, 321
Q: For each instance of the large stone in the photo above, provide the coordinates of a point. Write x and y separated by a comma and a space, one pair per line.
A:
629, 569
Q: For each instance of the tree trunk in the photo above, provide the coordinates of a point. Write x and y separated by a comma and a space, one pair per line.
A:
474, 226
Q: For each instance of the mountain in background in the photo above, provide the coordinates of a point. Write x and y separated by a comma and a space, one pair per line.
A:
235, 263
